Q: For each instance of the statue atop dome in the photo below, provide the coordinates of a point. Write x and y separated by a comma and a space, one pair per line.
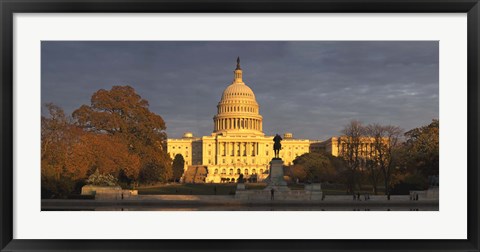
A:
238, 64
238, 73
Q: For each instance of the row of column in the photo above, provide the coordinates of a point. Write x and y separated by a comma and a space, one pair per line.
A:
237, 149
238, 123
226, 109
238, 171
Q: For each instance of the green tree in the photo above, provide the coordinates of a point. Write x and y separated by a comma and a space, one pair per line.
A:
422, 149
122, 113
316, 167
178, 164
297, 172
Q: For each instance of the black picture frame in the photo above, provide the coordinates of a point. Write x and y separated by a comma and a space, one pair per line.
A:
9, 7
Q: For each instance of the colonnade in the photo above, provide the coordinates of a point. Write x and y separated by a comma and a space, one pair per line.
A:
227, 109
238, 149
238, 123
238, 171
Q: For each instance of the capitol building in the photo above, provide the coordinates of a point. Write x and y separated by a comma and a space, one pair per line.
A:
237, 144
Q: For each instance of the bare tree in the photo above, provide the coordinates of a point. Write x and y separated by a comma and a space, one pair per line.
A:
373, 171
349, 146
385, 140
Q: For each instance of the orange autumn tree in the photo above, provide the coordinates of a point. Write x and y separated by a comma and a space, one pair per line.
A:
123, 114
58, 136
69, 155
104, 153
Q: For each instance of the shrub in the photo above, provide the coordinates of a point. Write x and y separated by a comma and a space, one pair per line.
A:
102, 179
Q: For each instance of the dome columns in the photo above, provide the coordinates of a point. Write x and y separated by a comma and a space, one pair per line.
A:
238, 76
237, 123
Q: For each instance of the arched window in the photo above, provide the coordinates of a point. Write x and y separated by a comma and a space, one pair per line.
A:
245, 172
261, 171
216, 171
224, 171
238, 171
254, 171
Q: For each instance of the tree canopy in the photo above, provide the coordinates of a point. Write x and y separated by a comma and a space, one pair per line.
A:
313, 167
422, 149
116, 135
178, 164
123, 114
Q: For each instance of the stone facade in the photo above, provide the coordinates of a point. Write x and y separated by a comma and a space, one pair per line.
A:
238, 144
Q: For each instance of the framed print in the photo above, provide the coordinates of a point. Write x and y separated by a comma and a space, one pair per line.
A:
244, 125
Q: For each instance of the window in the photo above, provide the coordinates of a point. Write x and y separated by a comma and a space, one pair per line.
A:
230, 172
246, 172
216, 171
238, 171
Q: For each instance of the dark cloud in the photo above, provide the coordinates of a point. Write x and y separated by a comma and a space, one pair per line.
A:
310, 89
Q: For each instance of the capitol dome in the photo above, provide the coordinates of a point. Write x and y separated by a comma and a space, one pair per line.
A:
238, 111
238, 90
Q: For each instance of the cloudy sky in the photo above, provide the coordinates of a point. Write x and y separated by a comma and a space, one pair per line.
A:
311, 89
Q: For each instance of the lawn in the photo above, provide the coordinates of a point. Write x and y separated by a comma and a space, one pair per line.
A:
230, 188
188, 189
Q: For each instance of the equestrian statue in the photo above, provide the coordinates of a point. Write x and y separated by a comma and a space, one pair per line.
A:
277, 146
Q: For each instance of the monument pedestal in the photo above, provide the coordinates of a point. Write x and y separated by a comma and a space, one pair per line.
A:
275, 179
276, 182
314, 191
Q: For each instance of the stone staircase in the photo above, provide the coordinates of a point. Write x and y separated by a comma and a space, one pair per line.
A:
195, 174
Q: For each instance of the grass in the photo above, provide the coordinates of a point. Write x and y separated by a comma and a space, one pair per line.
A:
189, 189
230, 188
197, 189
